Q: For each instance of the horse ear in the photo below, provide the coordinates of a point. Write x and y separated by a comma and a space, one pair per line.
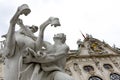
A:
4, 36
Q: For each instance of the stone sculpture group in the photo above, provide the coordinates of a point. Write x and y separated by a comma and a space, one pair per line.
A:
28, 57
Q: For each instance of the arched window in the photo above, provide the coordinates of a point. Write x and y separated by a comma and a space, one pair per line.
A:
107, 66
114, 76
88, 68
95, 78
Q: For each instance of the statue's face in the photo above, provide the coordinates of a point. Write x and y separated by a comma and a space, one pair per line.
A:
60, 37
33, 28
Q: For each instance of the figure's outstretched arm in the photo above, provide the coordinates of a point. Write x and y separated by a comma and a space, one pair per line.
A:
39, 41
61, 53
10, 39
42, 57
54, 22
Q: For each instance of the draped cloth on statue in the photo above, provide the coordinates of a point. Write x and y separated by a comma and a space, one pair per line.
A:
37, 73
12, 66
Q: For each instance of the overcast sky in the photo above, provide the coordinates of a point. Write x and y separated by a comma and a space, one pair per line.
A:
100, 18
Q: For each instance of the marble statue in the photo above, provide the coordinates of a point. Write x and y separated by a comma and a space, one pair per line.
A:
25, 58
51, 61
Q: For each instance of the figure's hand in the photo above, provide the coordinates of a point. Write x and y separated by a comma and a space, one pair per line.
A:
54, 21
41, 54
27, 59
31, 52
24, 9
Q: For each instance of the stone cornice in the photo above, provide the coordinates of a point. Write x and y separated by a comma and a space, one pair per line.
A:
91, 56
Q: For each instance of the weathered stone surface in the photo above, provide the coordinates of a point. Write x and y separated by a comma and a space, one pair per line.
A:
1, 71
23, 53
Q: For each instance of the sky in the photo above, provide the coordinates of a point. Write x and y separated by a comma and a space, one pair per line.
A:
99, 18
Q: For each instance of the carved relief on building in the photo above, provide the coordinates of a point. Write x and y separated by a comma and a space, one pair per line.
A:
67, 70
80, 43
116, 62
76, 68
95, 47
98, 65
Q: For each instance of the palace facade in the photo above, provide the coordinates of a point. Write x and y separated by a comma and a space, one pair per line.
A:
94, 60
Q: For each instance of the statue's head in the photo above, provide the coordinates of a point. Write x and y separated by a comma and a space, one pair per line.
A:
60, 36
33, 28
